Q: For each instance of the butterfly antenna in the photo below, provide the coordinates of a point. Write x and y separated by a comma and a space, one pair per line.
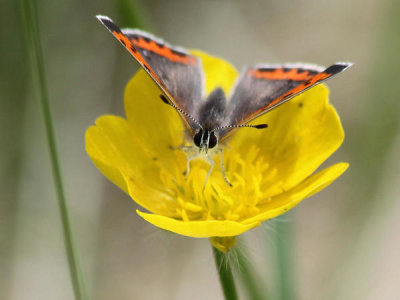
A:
259, 126
165, 100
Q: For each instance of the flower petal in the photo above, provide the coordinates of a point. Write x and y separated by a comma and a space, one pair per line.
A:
198, 229
302, 134
157, 126
115, 149
287, 200
218, 72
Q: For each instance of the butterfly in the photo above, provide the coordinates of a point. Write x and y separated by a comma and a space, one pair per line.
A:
178, 74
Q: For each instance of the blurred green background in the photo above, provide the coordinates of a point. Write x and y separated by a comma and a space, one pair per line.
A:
342, 243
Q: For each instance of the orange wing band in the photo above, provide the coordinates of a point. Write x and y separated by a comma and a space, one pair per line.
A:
280, 74
164, 51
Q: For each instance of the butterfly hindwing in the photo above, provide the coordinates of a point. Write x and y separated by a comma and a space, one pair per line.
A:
263, 87
175, 70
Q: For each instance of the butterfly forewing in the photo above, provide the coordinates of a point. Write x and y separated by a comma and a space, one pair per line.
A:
176, 71
261, 88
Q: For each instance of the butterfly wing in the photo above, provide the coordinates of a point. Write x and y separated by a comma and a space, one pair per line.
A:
177, 73
263, 87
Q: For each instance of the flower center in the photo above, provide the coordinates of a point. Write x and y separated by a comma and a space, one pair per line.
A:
249, 173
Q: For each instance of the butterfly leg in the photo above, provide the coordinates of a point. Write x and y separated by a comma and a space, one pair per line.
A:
190, 153
186, 173
182, 147
212, 163
223, 169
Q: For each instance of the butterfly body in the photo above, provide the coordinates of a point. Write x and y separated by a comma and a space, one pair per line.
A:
212, 118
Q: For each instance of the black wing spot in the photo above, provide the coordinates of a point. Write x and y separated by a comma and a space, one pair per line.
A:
146, 39
301, 104
164, 99
266, 69
133, 49
288, 95
308, 82
146, 67
285, 70
160, 45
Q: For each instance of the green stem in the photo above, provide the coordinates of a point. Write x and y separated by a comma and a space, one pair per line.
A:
225, 275
284, 260
33, 47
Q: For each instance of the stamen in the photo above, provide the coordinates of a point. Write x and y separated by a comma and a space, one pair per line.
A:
204, 195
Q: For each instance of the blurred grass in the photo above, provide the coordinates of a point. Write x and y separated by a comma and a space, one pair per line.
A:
380, 122
255, 288
33, 47
13, 94
369, 150
133, 14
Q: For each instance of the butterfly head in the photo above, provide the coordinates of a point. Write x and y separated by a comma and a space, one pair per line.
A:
205, 139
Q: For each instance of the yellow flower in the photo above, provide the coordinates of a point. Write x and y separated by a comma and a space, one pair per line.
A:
270, 169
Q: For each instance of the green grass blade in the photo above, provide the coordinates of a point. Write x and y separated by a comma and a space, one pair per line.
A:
33, 47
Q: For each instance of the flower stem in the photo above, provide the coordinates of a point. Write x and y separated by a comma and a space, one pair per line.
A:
34, 51
225, 275
284, 261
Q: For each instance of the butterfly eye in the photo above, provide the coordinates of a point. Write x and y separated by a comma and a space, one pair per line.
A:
198, 137
213, 140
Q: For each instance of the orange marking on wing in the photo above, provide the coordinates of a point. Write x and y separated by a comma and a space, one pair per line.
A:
295, 91
131, 48
164, 51
128, 44
300, 88
280, 74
